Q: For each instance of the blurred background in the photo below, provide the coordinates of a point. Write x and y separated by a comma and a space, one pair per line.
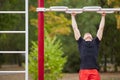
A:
62, 59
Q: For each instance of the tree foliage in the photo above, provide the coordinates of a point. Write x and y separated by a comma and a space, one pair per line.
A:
8, 5
12, 22
54, 61
115, 4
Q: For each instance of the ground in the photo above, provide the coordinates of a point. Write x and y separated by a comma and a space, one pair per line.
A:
104, 76
67, 76
73, 76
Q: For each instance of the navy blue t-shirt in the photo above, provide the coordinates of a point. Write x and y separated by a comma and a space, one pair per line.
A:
88, 53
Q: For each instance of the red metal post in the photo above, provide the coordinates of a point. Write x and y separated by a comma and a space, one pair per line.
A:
40, 41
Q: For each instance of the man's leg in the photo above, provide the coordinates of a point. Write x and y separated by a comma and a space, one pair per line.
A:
83, 75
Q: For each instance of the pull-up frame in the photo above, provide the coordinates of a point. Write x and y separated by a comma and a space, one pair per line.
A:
65, 9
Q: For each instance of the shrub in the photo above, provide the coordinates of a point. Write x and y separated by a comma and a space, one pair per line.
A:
54, 61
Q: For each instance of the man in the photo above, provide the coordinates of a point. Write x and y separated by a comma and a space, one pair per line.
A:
88, 47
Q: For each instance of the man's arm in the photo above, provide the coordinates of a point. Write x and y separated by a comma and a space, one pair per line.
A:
101, 27
74, 26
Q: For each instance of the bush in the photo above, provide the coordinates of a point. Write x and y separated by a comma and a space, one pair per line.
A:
54, 61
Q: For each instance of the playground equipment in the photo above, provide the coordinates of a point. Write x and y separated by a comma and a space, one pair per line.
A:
65, 9
26, 41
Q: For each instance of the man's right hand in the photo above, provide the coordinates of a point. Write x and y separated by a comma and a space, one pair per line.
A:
103, 14
73, 14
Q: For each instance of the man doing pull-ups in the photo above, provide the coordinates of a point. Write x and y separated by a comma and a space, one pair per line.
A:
88, 47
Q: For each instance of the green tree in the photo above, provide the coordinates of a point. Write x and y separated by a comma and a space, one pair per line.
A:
54, 61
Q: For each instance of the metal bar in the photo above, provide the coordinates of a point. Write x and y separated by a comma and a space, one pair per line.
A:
58, 8
12, 32
42, 9
78, 9
12, 51
26, 39
92, 7
108, 12
110, 9
90, 10
41, 41
69, 11
13, 12
11, 72
47, 9
61, 10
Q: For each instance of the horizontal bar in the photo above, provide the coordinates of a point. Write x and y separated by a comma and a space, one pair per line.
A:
87, 10
92, 7
58, 10
110, 9
108, 12
46, 9
13, 12
69, 11
74, 9
49, 9
12, 31
12, 51
58, 7
11, 72
98, 9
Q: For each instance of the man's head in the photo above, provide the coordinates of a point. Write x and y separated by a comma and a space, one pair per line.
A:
87, 37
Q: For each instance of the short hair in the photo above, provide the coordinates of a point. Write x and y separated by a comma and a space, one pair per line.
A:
87, 33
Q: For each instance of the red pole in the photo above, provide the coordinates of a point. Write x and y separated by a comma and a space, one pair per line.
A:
40, 41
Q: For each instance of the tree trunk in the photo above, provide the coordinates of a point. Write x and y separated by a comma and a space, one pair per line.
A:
115, 67
105, 63
19, 60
